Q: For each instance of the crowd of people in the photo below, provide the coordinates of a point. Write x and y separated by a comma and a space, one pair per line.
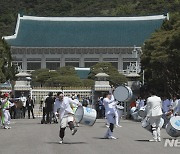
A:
11, 108
63, 108
169, 106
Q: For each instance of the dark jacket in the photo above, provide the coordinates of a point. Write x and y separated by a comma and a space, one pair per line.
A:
29, 104
49, 103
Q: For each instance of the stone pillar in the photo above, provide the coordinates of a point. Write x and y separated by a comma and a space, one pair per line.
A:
120, 62
43, 61
100, 57
62, 60
24, 61
81, 61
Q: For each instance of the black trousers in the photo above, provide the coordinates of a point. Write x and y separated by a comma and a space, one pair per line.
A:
30, 110
24, 111
49, 116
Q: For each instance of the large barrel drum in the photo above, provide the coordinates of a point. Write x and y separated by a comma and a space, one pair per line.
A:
123, 93
173, 127
85, 115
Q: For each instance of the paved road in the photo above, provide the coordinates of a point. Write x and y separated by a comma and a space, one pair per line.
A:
28, 136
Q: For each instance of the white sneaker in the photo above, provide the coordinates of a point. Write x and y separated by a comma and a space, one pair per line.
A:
118, 126
61, 141
159, 139
112, 137
74, 131
6, 127
107, 125
153, 140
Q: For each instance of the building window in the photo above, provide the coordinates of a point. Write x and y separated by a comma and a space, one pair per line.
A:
115, 64
89, 64
53, 59
71, 59
34, 59
91, 59
74, 64
110, 59
33, 65
52, 65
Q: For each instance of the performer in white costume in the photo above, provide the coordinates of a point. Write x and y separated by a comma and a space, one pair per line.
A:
154, 112
62, 108
6, 104
109, 104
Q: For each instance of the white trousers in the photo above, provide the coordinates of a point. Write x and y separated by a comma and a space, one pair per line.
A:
155, 122
7, 117
110, 119
116, 117
64, 121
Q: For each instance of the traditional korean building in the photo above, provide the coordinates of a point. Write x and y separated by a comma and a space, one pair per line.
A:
52, 42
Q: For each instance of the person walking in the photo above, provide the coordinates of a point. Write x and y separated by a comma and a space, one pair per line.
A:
154, 113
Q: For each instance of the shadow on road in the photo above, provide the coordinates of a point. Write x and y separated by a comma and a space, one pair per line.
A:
101, 138
67, 142
142, 140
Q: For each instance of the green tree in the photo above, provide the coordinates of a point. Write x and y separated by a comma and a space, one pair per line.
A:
37, 77
65, 81
63, 77
7, 69
67, 70
88, 83
115, 77
160, 59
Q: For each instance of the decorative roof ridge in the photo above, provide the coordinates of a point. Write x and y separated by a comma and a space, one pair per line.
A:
155, 17
16, 30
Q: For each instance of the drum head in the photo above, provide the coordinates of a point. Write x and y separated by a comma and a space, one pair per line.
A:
122, 93
142, 112
79, 114
175, 122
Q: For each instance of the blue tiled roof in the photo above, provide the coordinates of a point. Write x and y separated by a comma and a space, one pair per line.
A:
115, 33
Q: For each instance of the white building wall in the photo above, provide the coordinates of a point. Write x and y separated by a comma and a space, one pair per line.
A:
78, 55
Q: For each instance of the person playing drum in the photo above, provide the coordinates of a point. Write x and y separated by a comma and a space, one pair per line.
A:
154, 113
62, 108
109, 104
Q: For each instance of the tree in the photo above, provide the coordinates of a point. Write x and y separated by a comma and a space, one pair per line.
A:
67, 70
115, 77
88, 83
7, 69
63, 77
160, 58
64, 81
